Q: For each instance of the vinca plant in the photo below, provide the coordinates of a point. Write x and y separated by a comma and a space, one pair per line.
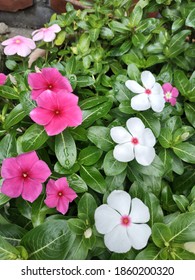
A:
97, 142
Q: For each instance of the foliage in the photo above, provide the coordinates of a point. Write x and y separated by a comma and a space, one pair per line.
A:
98, 50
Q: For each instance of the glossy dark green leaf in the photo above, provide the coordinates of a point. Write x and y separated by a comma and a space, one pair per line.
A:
86, 208
100, 136
190, 112
12, 233
89, 156
151, 122
7, 251
161, 235
14, 117
8, 92
77, 183
190, 20
8, 147
185, 151
113, 167
151, 252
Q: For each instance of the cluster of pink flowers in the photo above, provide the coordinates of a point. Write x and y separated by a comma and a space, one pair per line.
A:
57, 106
23, 176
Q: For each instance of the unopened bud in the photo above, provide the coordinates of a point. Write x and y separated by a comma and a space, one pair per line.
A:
185, 136
88, 233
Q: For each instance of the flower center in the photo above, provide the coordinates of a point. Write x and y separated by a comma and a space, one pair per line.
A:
57, 112
148, 91
50, 86
17, 41
125, 220
24, 175
134, 141
168, 95
60, 194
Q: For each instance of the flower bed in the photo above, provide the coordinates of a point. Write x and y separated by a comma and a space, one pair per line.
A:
97, 135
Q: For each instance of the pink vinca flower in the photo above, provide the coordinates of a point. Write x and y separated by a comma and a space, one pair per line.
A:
48, 78
3, 78
59, 194
170, 93
23, 175
57, 111
47, 34
18, 45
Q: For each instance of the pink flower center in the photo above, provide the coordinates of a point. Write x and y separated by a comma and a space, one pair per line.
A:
50, 86
17, 41
60, 194
148, 91
168, 95
57, 112
24, 175
125, 221
134, 141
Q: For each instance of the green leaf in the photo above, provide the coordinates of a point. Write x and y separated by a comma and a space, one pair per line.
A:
166, 198
78, 250
125, 108
113, 167
185, 151
70, 65
92, 115
133, 72
150, 253
89, 156
184, 182
11, 64
190, 112
86, 208
65, 149
100, 136
176, 44
161, 235
183, 228
165, 138
135, 16
49, 241
181, 201
91, 102
14, 117
60, 38
181, 82
156, 213
190, 20
8, 92
61, 170
8, 147
182, 134
27, 103
181, 254
93, 178
177, 24
33, 138
166, 158
12, 233
77, 226
84, 81
151, 122
7, 251
118, 26
77, 183
3, 199
84, 43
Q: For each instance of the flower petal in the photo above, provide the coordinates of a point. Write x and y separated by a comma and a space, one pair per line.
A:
48, 100
55, 28
27, 160
144, 155
62, 184
135, 126
3, 78
56, 125
106, 219
120, 201
140, 102
38, 36
117, 240
167, 87
148, 138
10, 168
139, 235
10, 50
139, 211
124, 152
12, 187
31, 189
157, 89
23, 50
173, 101
134, 86
147, 79
120, 135
73, 116
51, 200
175, 92
36, 81
51, 188
41, 116
40, 171
157, 102
62, 205
49, 36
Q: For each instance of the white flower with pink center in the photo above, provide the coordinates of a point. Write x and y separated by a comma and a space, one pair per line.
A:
47, 34
150, 95
134, 142
123, 222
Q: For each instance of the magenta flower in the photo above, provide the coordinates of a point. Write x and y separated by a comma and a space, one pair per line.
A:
18, 45
170, 93
3, 78
48, 78
47, 34
59, 194
57, 111
23, 175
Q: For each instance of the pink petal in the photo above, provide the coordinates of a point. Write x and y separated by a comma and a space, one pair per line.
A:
10, 50
12, 187
61, 183
67, 100
27, 160
73, 116
51, 201
29, 42
62, 205
10, 168
62, 84
51, 188
3, 78
175, 92
38, 36
37, 81
51, 75
55, 28
41, 116
56, 126
40, 171
23, 50
167, 87
49, 36
8, 42
48, 100
35, 93
31, 189
173, 101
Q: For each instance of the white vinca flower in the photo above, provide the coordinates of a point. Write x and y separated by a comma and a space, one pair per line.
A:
136, 143
149, 95
123, 221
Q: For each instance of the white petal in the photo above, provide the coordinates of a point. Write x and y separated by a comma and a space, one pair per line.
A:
124, 152
134, 86
117, 240
135, 126
139, 211
148, 79
157, 102
157, 89
120, 135
144, 155
139, 235
106, 218
120, 201
140, 102
148, 138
